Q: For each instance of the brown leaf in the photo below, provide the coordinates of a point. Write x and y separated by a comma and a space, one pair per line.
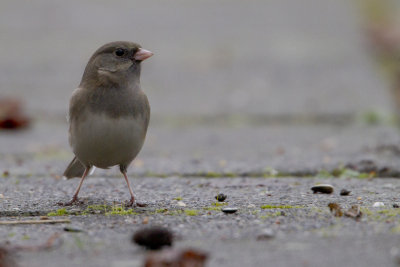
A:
354, 212
11, 115
176, 258
335, 209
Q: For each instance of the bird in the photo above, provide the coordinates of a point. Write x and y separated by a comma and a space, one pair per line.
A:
108, 113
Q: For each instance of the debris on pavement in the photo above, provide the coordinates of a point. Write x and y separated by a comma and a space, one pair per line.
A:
50, 243
72, 229
11, 114
266, 234
322, 188
345, 192
153, 238
335, 209
229, 210
354, 212
6, 258
181, 204
34, 221
396, 206
221, 197
378, 204
175, 257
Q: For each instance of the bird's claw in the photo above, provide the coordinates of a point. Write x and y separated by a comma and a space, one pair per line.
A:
70, 203
133, 203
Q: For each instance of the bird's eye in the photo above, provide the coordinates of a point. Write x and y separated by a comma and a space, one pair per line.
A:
120, 52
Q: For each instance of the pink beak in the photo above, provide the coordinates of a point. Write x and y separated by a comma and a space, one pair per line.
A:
142, 54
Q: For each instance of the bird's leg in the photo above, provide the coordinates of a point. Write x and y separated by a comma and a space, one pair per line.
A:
132, 201
75, 197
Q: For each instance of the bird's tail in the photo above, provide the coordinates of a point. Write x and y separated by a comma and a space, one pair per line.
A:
74, 169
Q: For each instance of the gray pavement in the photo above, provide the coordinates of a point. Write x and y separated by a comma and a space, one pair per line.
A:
256, 99
303, 229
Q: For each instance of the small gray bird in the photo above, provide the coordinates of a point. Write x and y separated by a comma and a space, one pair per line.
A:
108, 112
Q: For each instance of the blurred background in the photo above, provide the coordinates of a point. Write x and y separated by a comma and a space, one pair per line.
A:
236, 87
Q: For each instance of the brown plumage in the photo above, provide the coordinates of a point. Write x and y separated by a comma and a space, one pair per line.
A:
109, 113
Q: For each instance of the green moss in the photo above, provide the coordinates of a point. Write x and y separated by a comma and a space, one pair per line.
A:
11, 234
59, 212
219, 204
366, 211
26, 237
192, 212
389, 212
175, 212
270, 172
212, 175
154, 174
98, 207
161, 210
212, 208
280, 207
120, 210
94, 209
381, 214
271, 215
178, 198
216, 174
324, 174
342, 172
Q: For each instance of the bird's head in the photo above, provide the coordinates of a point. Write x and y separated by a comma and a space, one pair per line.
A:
116, 63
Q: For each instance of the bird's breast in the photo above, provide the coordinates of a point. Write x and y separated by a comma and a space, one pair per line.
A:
105, 141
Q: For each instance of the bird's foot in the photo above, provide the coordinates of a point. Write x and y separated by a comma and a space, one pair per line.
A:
133, 203
73, 201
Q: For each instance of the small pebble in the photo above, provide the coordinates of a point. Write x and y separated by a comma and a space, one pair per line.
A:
345, 192
181, 204
221, 197
322, 188
153, 238
229, 210
396, 206
378, 204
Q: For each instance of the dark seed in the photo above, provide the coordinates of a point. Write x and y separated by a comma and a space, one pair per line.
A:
153, 238
322, 188
229, 210
73, 230
396, 206
345, 192
221, 197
